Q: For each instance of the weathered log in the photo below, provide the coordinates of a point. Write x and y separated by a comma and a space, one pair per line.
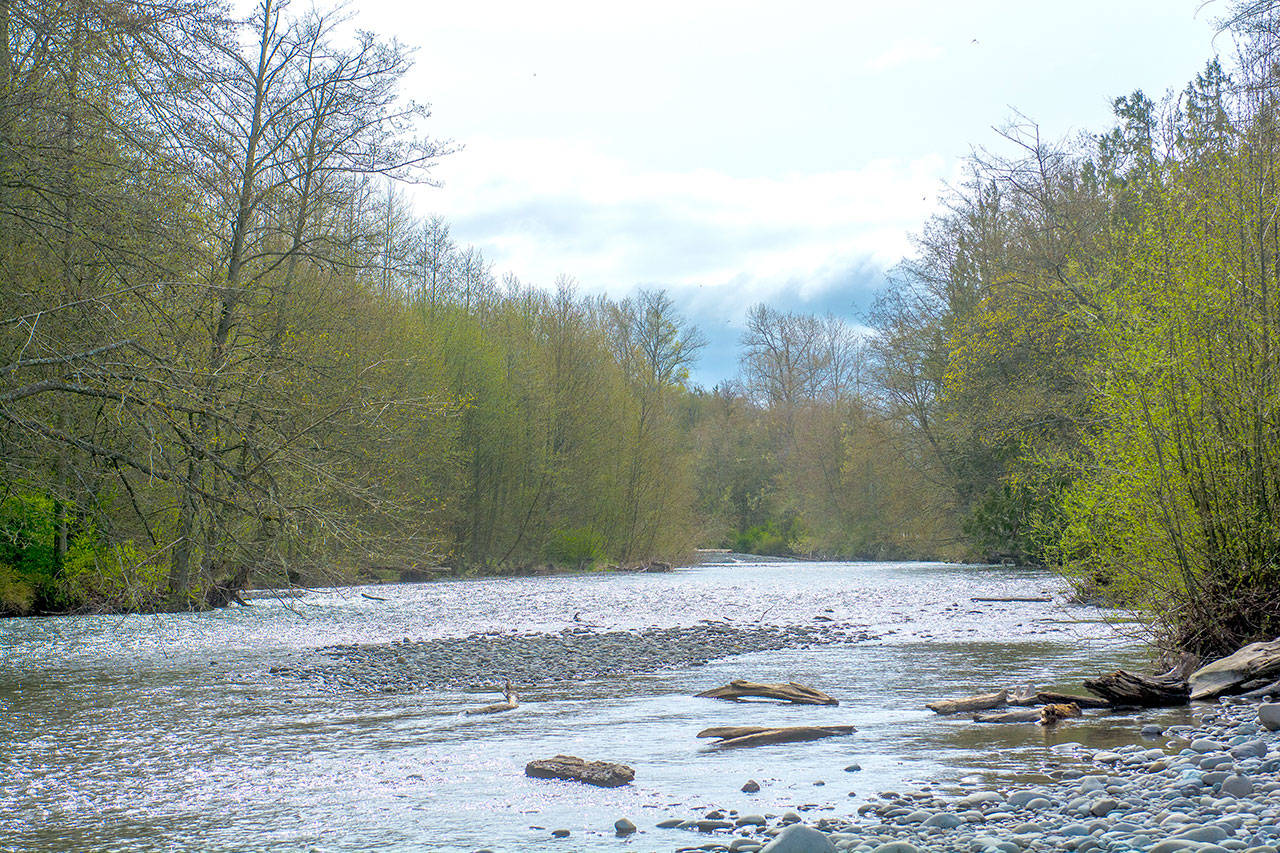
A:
602, 774
732, 736
1254, 662
1050, 697
1020, 715
799, 694
1272, 689
1009, 599
509, 703
981, 702
1129, 689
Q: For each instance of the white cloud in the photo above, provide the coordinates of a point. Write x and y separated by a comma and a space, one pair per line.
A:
540, 208
904, 52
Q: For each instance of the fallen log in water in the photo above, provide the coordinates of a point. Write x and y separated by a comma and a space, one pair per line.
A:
1256, 662
1007, 599
1050, 697
791, 692
1129, 689
602, 774
731, 736
1024, 696
510, 703
981, 702
1019, 715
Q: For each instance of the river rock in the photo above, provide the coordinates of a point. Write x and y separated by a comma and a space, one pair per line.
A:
623, 827
1237, 786
602, 774
897, 847
1269, 716
751, 787
798, 838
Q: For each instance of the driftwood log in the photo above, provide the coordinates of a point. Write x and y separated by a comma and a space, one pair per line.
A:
509, 703
1050, 697
731, 736
602, 774
1013, 598
1018, 715
981, 702
791, 692
1253, 666
1129, 689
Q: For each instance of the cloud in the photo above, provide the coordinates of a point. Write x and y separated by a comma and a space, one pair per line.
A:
719, 243
904, 52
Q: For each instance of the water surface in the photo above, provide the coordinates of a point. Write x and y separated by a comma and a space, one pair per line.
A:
167, 732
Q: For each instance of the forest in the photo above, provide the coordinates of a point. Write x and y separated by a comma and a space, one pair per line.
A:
235, 356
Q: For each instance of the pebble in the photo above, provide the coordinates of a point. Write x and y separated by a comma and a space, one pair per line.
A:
623, 827
751, 787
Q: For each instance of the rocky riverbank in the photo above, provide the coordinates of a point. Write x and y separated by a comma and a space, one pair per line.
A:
1209, 788
535, 660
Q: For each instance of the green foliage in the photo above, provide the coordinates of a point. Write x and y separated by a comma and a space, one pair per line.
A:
777, 538
579, 547
28, 568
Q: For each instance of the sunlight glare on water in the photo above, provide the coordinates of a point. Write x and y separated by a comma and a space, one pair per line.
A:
164, 732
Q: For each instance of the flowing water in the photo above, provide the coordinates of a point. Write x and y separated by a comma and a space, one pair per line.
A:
168, 732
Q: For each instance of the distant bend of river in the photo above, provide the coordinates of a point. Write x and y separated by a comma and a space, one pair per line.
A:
170, 732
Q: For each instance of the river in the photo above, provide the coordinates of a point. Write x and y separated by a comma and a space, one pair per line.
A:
164, 732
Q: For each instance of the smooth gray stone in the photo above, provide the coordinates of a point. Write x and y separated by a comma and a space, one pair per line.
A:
751, 786
623, 827
1203, 745
1269, 716
751, 820
897, 847
798, 838
944, 820
1249, 749
1238, 786
1172, 845
1104, 807
1208, 833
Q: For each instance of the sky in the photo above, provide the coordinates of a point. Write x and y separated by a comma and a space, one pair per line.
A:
742, 152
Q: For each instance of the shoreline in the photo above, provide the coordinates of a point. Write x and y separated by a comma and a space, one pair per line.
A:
1209, 788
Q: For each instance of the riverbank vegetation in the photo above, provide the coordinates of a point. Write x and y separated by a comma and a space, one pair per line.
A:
234, 356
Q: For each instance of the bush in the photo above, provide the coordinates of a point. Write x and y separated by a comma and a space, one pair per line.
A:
578, 547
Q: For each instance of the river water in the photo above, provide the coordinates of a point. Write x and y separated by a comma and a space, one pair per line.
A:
168, 732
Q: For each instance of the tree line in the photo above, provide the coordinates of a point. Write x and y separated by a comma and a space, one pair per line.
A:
232, 354
1086, 343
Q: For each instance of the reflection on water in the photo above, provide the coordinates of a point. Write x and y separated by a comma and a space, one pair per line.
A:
163, 732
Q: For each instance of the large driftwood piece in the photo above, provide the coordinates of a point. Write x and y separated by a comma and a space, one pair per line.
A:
730, 736
602, 774
1018, 715
791, 692
1254, 662
1013, 598
1050, 697
1129, 689
981, 702
510, 703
